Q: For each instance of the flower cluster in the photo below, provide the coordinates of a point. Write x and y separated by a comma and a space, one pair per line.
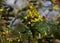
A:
5, 32
32, 15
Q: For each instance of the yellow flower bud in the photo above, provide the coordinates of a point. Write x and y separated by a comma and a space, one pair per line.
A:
29, 22
4, 33
22, 7
8, 38
52, 35
1, 10
45, 33
55, 7
36, 19
25, 17
31, 7
16, 11
18, 40
32, 20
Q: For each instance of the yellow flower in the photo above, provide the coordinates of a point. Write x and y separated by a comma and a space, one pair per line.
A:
40, 18
32, 20
53, 1
1, 10
29, 22
30, 13
38, 13
45, 33
18, 40
8, 38
22, 7
25, 17
4, 33
55, 7
31, 4
52, 35
57, 16
33, 14
16, 12
36, 19
40, 36
31, 7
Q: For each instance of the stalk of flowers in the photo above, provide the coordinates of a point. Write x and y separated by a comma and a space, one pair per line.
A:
32, 15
